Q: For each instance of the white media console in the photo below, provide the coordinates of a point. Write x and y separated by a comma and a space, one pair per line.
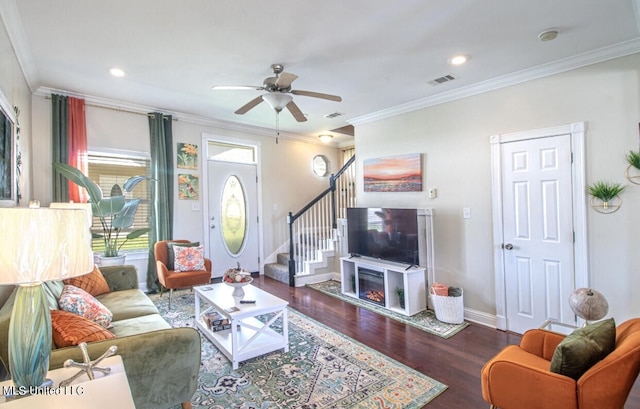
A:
412, 280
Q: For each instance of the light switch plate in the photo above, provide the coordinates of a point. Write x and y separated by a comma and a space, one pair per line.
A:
195, 207
433, 193
466, 213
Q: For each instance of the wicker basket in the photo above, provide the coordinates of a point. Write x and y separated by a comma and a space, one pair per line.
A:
448, 309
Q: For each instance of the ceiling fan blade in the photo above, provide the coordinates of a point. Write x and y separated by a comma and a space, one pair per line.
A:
316, 95
234, 87
246, 107
295, 111
285, 79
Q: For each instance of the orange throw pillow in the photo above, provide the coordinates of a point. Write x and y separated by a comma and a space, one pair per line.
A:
69, 329
94, 283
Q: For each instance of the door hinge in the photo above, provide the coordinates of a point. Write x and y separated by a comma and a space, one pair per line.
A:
571, 157
574, 236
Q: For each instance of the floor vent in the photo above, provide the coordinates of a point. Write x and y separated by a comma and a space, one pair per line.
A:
442, 80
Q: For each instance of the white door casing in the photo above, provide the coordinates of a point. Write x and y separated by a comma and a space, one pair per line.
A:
221, 176
539, 205
213, 182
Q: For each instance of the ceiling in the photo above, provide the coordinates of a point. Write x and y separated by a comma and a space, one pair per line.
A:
379, 55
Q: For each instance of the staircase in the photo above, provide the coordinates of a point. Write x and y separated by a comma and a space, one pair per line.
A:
313, 233
280, 269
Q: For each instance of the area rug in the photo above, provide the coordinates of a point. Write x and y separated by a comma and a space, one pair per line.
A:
425, 320
323, 369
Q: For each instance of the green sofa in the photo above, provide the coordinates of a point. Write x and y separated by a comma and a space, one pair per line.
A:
161, 362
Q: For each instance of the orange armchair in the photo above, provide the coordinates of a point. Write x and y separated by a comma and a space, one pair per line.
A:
519, 376
171, 279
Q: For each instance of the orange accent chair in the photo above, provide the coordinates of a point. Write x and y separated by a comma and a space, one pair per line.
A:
519, 376
171, 279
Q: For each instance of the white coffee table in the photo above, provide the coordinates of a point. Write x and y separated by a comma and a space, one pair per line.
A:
248, 337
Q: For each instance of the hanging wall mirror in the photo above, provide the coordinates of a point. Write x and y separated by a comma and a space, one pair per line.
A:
7, 153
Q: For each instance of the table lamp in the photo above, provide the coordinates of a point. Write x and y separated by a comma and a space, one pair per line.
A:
588, 304
40, 244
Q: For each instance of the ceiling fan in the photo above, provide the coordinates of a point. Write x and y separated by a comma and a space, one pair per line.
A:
278, 89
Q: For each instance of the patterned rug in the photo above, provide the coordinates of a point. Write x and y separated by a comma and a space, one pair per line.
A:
424, 320
323, 369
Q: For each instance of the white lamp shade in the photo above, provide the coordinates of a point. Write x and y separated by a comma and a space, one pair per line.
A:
44, 244
277, 100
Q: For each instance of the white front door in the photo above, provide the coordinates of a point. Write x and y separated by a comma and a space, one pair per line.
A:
233, 216
537, 231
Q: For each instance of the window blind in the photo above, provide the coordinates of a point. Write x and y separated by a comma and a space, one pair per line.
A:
107, 171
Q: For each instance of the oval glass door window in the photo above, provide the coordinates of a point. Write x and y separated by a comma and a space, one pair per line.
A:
234, 215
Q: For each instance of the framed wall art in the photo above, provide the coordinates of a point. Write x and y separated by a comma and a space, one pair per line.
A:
401, 173
8, 158
187, 156
188, 187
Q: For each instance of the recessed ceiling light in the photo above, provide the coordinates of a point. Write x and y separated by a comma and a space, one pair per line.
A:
116, 72
548, 35
458, 59
326, 138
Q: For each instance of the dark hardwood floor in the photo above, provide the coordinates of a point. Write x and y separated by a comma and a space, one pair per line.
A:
456, 361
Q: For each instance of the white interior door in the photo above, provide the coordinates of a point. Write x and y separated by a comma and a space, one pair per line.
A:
233, 216
538, 231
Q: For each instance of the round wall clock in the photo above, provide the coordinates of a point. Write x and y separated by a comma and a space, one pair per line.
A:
320, 165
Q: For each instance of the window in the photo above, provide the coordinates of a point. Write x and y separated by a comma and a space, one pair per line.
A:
109, 169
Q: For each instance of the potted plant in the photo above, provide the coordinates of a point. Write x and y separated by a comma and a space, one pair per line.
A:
633, 159
115, 213
608, 195
400, 292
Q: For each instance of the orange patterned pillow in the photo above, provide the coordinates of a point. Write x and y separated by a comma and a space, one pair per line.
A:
94, 283
69, 329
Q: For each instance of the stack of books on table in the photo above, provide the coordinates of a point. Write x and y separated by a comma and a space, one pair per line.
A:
215, 321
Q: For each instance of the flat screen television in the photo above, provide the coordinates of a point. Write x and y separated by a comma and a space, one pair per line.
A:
383, 233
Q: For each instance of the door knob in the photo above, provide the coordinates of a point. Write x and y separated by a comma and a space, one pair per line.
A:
507, 246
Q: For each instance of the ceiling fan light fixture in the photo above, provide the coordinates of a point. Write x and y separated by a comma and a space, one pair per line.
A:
325, 138
277, 100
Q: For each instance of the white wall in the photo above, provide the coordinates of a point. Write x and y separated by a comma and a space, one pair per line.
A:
287, 179
15, 89
454, 139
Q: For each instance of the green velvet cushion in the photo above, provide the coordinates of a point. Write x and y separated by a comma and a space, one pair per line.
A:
171, 255
583, 348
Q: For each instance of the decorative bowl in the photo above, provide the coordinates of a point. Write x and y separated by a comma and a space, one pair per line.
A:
245, 278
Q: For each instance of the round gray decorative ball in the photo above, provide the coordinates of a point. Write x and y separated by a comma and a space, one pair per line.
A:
588, 304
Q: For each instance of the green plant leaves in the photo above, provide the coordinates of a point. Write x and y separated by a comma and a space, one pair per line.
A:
605, 191
77, 177
115, 212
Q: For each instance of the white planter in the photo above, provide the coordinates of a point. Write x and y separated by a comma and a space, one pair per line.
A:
112, 261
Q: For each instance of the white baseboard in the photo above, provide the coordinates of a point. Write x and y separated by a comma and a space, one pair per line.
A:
480, 317
302, 280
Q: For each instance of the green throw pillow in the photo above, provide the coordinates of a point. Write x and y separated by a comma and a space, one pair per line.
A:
583, 348
171, 255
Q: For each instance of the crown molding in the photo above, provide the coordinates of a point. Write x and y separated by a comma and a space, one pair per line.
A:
567, 64
99, 102
15, 30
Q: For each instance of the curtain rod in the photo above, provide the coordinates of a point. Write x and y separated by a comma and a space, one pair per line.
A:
118, 109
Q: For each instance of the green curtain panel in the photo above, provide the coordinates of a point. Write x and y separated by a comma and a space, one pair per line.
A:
59, 145
161, 217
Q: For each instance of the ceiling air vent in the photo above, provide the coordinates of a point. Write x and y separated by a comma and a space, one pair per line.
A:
333, 115
442, 80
